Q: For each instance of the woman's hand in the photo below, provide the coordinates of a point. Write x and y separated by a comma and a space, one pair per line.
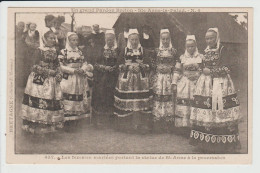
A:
89, 68
111, 69
123, 67
38, 69
139, 61
143, 65
146, 67
81, 72
34, 68
44, 72
76, 71
98, 67
107, 68
206, 71
52, 72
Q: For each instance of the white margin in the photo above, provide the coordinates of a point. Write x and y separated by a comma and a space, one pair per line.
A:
255, 167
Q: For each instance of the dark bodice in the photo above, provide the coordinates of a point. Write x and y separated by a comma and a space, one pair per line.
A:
170, 60
213, 58
218, 62
47, 62
167, 57
164, 60
110, 57
70, 57
48, 59
132, 56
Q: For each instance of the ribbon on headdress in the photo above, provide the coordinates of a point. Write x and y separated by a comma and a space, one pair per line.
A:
217, 96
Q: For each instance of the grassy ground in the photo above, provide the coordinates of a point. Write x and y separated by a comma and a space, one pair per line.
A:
90, 140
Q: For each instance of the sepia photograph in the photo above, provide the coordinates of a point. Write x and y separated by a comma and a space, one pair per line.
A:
129, 84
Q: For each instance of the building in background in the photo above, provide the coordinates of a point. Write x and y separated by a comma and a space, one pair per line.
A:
232, 34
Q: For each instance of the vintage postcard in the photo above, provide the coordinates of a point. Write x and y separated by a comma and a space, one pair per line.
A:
91, 85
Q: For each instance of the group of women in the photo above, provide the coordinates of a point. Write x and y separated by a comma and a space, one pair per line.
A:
136, 90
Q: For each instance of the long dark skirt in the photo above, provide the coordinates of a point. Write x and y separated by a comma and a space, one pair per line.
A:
103, 120
103, 98
162, 125
29, 60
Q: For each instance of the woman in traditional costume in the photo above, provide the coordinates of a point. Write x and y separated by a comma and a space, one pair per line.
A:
104, 82
132, 94
163, 69
32, 40
53, 23
215, 112
41, 108
32, 36
74, 84
20, 55
60, 34
187, 72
